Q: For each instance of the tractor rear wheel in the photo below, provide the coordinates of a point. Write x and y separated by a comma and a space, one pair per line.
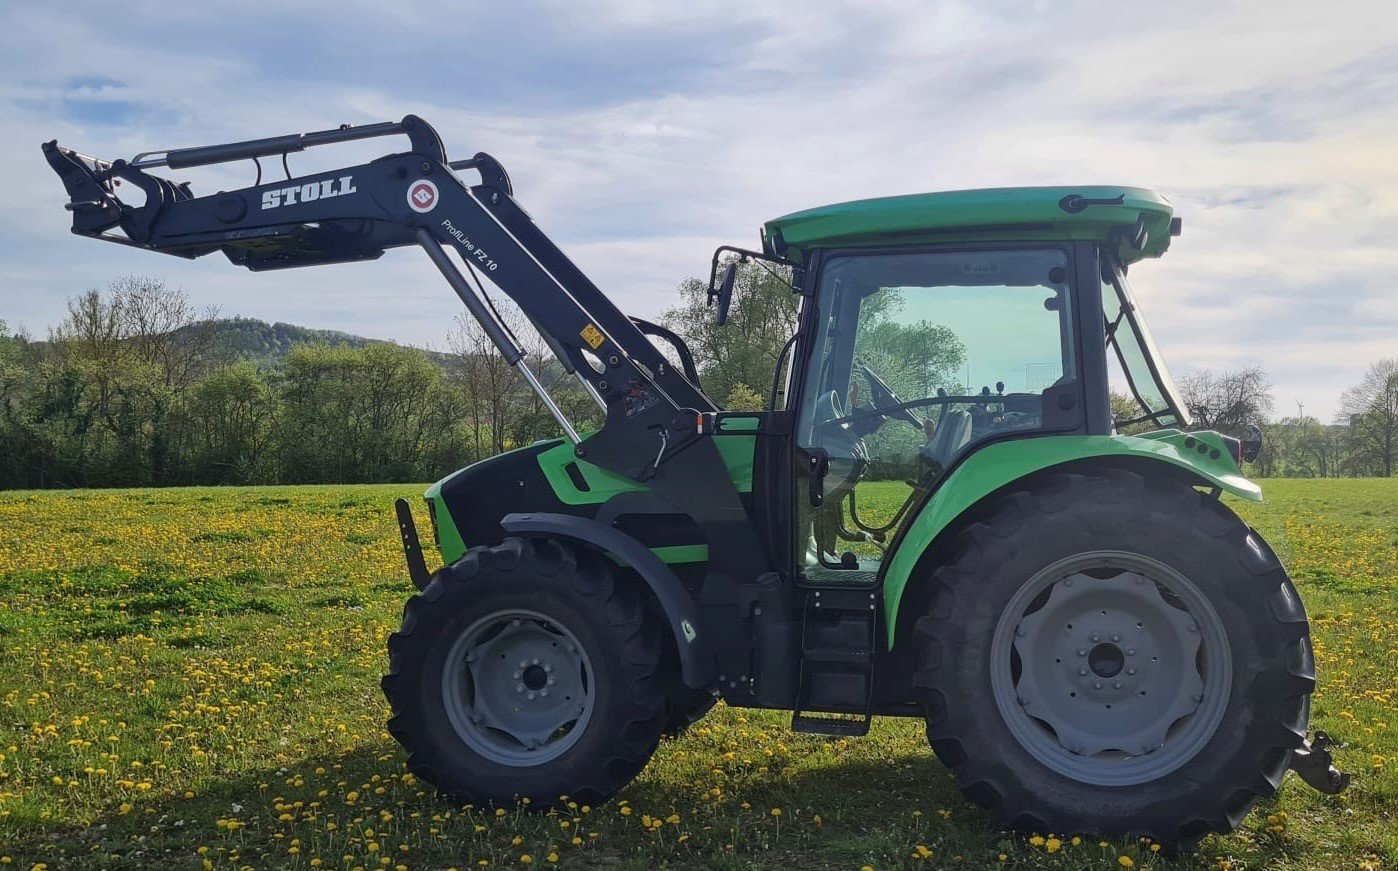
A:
1114, 653
527, 671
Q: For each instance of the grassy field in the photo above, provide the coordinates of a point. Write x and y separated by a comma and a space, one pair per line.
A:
189, 678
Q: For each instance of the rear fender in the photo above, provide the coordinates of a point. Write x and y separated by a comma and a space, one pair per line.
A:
697, 664
1202, 455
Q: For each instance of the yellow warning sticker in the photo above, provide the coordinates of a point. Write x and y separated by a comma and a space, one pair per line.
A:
592, 336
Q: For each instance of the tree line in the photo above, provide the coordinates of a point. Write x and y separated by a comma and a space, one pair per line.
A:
135, 387
1361, 441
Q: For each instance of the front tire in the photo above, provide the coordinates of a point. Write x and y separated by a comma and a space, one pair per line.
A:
526, 670
1114, 653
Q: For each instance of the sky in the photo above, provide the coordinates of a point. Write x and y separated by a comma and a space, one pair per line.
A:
640, 135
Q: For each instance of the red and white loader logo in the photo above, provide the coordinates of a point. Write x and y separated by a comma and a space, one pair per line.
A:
422, 195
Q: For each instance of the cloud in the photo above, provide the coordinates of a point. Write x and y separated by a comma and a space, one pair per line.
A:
641, 135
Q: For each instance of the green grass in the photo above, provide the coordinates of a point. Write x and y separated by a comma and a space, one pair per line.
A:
191, 676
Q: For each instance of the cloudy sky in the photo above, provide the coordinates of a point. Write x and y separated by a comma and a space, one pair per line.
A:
642, 134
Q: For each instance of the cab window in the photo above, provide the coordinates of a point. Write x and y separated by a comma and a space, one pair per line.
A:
917, 358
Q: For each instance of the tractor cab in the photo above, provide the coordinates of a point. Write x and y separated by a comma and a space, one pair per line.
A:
933, 325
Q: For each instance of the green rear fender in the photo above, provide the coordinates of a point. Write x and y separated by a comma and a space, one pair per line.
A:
1202, 454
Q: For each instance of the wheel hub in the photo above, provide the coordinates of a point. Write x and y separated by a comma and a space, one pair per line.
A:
1106, 660
1110, 679
517, 688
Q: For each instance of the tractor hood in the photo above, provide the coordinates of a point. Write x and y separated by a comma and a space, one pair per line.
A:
1101, 213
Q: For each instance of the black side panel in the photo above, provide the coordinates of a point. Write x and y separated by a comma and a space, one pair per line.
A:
478, 496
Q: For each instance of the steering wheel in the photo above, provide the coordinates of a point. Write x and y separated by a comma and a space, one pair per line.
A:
884, 397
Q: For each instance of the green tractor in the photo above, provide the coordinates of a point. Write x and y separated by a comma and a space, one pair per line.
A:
937, 516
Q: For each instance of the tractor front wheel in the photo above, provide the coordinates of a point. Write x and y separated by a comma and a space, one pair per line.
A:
527, 671
1117, 654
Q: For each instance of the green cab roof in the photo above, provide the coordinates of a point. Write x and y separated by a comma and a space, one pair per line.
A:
989, 214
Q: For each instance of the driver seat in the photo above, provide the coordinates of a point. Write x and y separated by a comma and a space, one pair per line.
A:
953, 433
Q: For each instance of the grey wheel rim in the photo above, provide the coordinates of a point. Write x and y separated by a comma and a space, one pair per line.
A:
1111, 668
518, 688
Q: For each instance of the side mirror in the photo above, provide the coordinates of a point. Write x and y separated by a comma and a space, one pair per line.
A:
724, 293
1252, 443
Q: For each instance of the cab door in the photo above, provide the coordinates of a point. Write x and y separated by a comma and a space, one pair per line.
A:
912, 359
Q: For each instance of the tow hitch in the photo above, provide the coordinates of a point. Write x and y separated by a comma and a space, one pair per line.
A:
1312, 760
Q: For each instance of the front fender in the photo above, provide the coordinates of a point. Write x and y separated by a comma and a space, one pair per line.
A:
1202, 454
697, 663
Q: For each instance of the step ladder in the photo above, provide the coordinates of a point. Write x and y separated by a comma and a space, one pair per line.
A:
839, 628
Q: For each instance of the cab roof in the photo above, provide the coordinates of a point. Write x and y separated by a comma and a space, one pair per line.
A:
1096, 212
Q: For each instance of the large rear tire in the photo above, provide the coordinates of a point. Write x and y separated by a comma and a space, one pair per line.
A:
526, 670
1114, 653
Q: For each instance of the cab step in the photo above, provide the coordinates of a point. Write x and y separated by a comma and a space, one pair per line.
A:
839, 628
845, 727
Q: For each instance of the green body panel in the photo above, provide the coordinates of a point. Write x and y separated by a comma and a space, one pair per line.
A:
987, 215
602, 485
996, 465
448, 537
735, 450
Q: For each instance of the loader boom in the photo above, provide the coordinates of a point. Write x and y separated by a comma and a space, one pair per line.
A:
653, 413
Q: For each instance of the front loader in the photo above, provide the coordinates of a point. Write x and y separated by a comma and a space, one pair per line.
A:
936, 517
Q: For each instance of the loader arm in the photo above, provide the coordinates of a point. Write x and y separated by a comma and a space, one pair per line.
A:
653, 413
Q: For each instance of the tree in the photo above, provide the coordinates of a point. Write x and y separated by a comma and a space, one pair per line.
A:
228, 423
745, 350
161, 328
361, 414
1370, 409
1126, 408
488, 382
1228, 401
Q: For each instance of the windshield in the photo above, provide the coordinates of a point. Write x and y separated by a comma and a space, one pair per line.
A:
1151, 386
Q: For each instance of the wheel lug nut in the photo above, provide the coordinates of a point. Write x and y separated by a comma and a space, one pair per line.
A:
1116, 637
548, 666
1096, 637
551, 680
1082, 672
1097, 685
1130, 651
1131, 671
1082, 651
519, 687
536, 661
530, 696
1116, 685
524, 663
517, 674
543, 692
